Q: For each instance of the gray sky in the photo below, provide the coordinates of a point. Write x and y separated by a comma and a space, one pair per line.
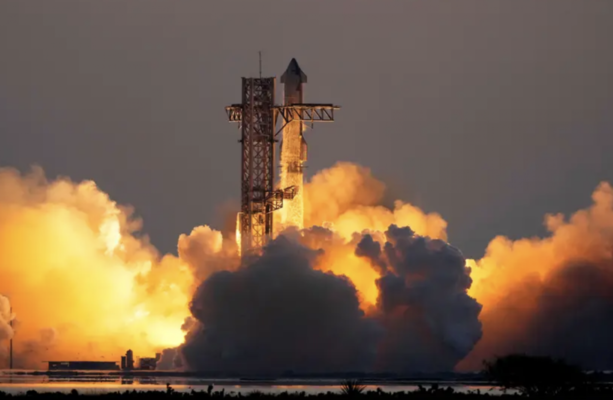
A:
490, 112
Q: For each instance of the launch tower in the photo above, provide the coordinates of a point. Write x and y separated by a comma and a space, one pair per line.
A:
257, 116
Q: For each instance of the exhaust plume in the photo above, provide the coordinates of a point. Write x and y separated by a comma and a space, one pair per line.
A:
366, 297
346, 199
205, 252
86, 285
551, 296
362, 287
280, 312
276, 313
430, 320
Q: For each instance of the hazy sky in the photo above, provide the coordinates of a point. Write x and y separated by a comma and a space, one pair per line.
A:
489, 112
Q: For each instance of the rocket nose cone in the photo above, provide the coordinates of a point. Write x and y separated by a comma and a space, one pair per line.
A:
293, 67
294, 73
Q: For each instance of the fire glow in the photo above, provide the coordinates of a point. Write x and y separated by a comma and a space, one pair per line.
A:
100, 288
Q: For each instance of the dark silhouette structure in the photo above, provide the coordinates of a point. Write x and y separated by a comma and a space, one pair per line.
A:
149, 363
129, 360
82, 366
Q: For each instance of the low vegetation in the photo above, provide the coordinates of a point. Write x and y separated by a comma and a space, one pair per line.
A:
432, 393
352, 387
520, 376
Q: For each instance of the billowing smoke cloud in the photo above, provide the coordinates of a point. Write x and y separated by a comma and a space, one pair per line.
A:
277, 313
169, 360
81, 279
205, 251
346, 199
364, 287
337, 190
551, 296
112, 290
542, 296
350, 296
430, 320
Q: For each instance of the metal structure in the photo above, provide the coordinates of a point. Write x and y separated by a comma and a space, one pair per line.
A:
11, 340
258, 197
307, 113
83, 365
257, 116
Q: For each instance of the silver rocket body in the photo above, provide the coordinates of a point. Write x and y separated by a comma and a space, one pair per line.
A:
293, 148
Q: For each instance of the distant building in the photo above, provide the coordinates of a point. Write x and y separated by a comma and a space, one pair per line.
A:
144, 363
129, 360
82, 366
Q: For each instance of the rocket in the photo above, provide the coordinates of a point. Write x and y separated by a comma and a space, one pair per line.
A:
293, 80
293, 147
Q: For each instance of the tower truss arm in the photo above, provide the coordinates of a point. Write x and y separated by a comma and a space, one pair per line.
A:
307, 112
295, 112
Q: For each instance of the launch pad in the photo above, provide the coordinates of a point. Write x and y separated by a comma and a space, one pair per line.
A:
257, 116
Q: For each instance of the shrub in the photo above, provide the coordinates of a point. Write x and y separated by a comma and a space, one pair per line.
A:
534, 376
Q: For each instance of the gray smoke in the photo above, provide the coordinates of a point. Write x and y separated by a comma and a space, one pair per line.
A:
170, 360
569, 316
277, 314
431, 322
